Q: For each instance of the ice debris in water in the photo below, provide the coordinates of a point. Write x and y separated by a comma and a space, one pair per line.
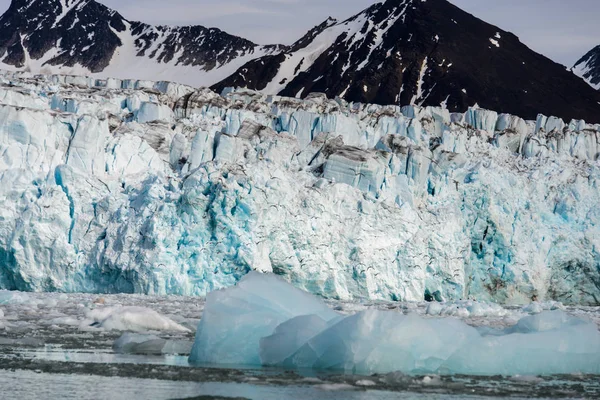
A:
465, 309
264, 320
137, 319
11, 297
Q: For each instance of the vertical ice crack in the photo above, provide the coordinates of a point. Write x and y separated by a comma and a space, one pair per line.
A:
59, 182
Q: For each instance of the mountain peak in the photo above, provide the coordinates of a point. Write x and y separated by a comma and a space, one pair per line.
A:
84, 36
588, 67
424, 53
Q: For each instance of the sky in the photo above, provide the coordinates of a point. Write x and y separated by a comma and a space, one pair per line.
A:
563, 30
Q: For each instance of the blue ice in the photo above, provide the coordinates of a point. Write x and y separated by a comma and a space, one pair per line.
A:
265, 321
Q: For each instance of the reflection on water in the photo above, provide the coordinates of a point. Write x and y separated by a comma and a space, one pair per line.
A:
102, 357
31, 385
100, 373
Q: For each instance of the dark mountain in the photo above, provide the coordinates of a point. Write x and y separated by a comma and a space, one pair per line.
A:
425, 52
588, 67
83, 36
422, 52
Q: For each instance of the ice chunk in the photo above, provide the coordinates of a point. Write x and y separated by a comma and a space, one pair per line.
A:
545, 321
547, 343
178, 155
149, 112
177, 347
202, 149
549, 124
533, 308
479, 118
135, 343
137, 319
229, 149
357, 168
129, 343
376, 341
235, 319
418, 163
266, 321
70, 321
288, 337
465, 309
512, 132
25, 342
86, 152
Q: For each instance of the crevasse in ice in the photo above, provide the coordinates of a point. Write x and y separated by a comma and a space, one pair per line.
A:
265, 321
127, 186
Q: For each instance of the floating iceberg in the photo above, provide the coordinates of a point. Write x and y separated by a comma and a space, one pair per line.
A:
265, 321
228, 332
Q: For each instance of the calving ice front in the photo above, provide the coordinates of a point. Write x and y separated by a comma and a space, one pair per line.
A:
265, 321
153, 187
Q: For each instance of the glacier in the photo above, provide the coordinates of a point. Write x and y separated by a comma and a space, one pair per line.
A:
129, 186
266, 321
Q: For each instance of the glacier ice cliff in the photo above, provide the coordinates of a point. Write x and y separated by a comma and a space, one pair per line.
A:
154, 187
265, 321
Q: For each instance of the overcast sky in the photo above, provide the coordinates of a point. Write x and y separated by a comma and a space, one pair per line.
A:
561, 29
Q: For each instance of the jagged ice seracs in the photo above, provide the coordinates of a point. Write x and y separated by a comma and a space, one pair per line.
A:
159, 188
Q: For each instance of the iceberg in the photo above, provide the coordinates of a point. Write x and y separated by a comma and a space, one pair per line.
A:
265, 321
228, 332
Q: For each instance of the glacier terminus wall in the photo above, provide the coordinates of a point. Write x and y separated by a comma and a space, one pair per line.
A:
152, 187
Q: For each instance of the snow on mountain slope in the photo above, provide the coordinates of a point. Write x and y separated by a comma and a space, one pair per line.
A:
160, 188
421, 53
83, 37
395, 52
588, 67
